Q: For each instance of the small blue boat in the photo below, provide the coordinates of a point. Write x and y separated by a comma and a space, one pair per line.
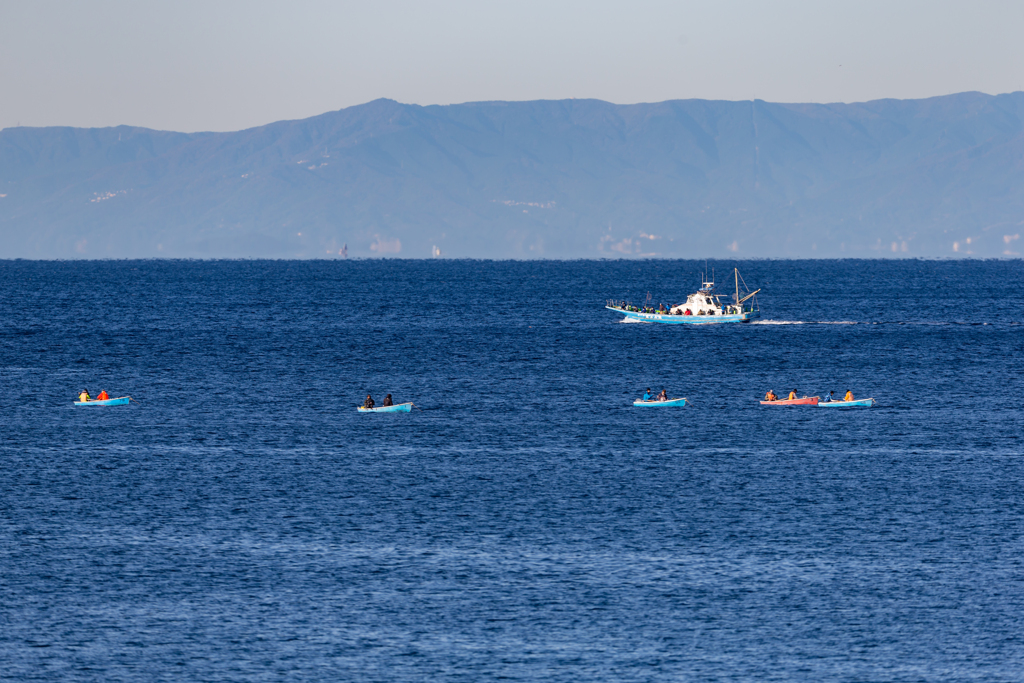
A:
399, 408
122, 401
859, 403
671, 403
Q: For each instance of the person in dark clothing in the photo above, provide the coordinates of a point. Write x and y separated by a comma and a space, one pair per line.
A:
387, 401
368, 403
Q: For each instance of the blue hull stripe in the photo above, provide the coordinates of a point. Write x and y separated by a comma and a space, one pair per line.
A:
687, 319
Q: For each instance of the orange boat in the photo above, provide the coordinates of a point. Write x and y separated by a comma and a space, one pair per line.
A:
805, 401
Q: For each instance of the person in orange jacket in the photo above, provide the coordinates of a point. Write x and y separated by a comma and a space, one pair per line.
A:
103, 396
849, 395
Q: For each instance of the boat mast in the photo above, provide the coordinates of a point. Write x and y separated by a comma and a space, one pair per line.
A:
737, 272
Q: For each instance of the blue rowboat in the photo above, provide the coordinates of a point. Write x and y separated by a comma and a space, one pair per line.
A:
122, 401
671, 403
859, 403
399, 408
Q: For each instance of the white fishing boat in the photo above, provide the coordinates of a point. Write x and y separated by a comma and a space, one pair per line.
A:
703, 307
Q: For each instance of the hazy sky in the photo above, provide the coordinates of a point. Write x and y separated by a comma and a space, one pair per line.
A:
207, 65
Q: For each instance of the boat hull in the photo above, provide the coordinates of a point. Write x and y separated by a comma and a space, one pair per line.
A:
400, 408
686, 319
671, 403
122, 401
860, 403
805, 401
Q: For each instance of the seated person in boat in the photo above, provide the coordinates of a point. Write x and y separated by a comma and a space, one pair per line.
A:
688, 312
829, 397
368, 403
387, 401
84, 396
663, 396
103, 396
849, 395
771, 396
647, 395
792, 396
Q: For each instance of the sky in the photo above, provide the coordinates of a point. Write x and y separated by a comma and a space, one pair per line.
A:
227, 65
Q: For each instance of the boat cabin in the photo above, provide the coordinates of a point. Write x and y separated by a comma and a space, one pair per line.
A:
699, 303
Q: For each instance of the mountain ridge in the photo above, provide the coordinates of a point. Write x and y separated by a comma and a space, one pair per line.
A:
546, 178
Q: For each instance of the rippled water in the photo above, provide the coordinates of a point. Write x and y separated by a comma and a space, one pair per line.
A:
243, 522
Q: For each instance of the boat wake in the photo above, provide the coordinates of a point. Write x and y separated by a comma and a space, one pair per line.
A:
802, 322
634, 320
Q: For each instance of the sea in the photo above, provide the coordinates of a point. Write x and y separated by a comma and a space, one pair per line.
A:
240, 520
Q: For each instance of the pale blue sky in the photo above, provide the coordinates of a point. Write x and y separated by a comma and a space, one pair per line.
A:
206, 65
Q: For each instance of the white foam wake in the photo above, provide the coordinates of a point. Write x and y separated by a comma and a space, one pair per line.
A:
802, 322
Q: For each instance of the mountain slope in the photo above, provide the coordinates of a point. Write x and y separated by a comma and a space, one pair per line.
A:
572, 178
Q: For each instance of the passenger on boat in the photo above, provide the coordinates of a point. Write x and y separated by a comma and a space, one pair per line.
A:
771, 396
849, 395
688, 312
368, 403
387, 401
792, 396
84, 396
661, 308
663, 396
647, 394
828, 397
103, 396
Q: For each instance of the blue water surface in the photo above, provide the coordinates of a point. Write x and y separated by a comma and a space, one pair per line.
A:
243, 522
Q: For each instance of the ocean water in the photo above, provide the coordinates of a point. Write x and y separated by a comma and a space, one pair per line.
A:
243, 522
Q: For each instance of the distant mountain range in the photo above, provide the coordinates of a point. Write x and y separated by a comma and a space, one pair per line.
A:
547, 179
